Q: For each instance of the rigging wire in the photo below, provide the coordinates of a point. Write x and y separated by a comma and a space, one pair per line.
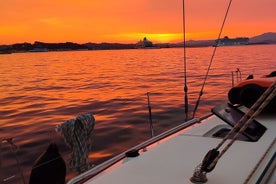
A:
244, 122
14, 149
150, 116
211, 158
212, 58
185, 61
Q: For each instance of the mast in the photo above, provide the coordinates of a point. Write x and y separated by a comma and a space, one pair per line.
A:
185, 63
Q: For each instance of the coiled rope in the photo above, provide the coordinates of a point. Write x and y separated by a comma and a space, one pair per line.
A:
76, 134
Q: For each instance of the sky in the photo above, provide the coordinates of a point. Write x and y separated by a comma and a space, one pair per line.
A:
128, 21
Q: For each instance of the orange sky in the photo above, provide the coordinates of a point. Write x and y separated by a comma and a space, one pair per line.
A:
128, 21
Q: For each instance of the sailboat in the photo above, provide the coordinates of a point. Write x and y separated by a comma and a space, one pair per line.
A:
235, 143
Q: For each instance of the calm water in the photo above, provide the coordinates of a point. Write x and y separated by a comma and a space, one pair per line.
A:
41, 90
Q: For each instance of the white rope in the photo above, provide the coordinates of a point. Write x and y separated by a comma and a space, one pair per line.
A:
76, 134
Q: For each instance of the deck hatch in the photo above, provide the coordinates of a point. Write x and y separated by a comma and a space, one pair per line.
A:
231, 115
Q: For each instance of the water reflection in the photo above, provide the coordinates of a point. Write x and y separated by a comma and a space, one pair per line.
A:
41, 90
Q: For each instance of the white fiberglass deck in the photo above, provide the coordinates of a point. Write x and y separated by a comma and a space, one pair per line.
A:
175, 160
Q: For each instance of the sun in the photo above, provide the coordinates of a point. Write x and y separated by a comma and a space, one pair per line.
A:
165, 37
154, 37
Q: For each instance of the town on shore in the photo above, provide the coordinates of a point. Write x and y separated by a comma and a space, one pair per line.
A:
266, 38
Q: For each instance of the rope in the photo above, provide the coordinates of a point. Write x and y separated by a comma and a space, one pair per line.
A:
46, 163
251, 112
76, 134
261, 103
211, 61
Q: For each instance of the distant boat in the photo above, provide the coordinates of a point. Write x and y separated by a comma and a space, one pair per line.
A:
145, 44
226, 41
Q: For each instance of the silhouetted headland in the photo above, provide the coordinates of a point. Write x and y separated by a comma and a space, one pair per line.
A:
266, 38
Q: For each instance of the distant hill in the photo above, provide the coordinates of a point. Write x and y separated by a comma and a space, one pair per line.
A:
194, 43
266, 38
107, 46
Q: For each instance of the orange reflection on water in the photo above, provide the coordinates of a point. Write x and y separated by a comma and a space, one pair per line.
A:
98, 155
41, 90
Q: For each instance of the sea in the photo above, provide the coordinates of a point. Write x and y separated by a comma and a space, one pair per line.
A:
39, 91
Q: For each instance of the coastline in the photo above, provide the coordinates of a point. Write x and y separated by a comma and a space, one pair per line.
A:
266, 38
21, 48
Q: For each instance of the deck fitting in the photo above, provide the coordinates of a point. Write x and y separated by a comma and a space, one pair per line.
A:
199, 176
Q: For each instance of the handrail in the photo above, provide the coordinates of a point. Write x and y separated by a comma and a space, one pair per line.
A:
96, 170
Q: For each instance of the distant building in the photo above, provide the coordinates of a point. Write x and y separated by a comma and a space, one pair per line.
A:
228, 41
145, 43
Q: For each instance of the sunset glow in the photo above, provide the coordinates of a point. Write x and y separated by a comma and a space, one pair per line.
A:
128, 21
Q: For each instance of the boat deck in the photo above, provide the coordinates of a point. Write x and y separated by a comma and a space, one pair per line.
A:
175, 160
